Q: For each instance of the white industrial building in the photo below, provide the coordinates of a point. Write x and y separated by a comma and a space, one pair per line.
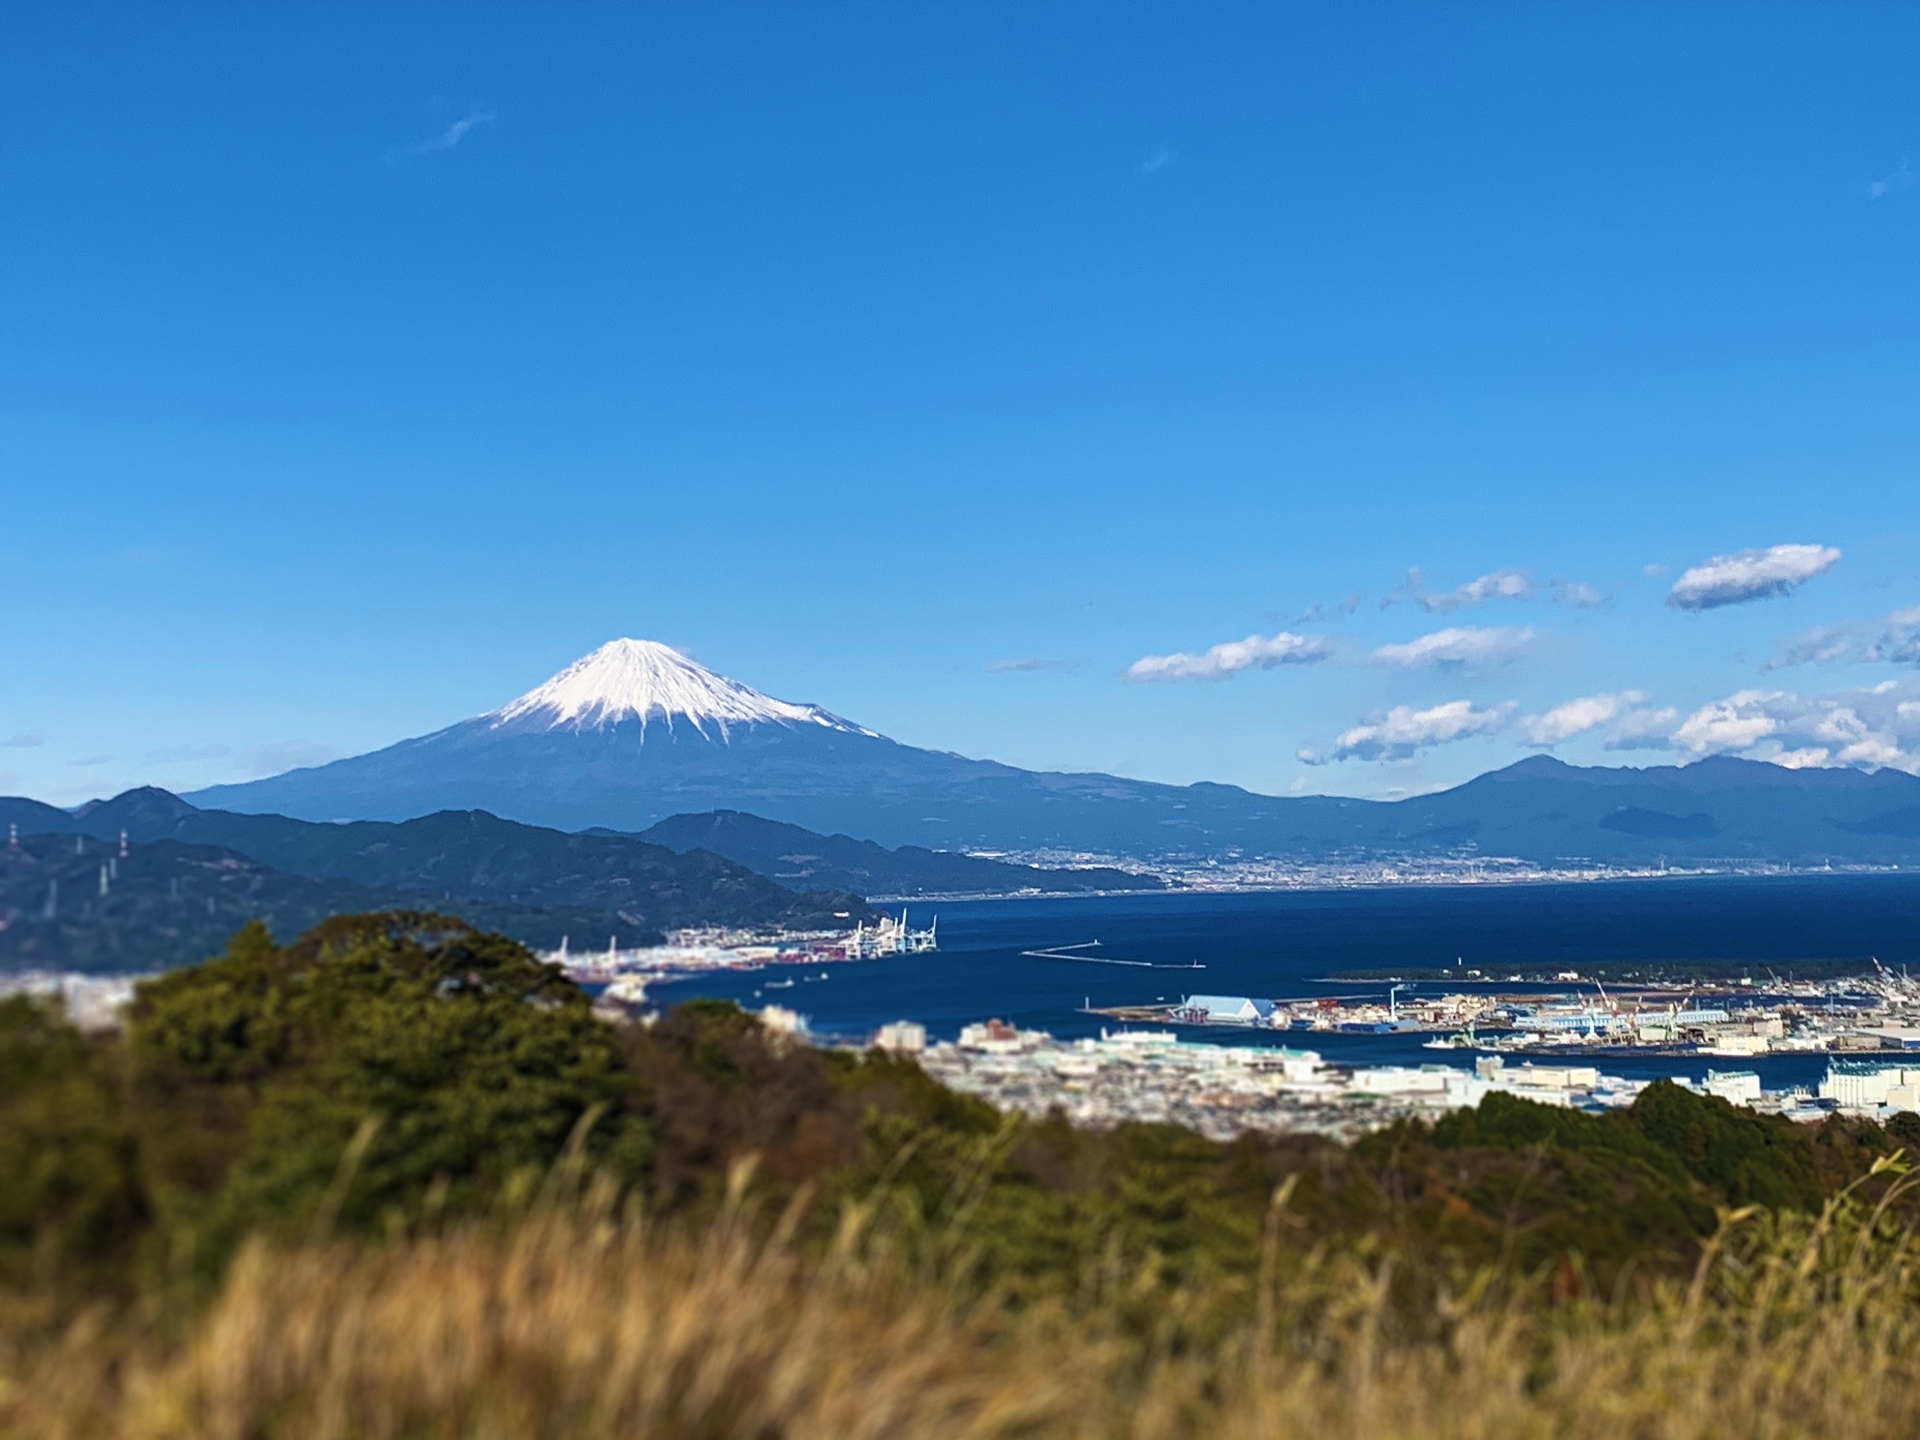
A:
1225, 1010
1736, 1087
903, 1037
1870, 1086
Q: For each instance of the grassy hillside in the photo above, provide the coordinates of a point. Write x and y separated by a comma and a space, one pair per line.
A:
572, 1318
395, 1179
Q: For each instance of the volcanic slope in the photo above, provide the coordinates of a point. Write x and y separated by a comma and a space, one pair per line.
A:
636, 732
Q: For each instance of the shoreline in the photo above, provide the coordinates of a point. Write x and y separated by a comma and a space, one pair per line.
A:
1177, 887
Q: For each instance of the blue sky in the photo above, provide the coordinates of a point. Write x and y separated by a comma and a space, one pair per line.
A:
973, 371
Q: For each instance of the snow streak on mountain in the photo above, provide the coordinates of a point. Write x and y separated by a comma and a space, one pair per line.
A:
645, 680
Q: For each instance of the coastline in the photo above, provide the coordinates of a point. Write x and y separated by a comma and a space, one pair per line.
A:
1188, 882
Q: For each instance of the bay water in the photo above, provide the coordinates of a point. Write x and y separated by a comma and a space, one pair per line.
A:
1287, 945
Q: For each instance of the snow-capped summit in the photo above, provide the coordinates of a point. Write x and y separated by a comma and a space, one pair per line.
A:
568, 755
644, 680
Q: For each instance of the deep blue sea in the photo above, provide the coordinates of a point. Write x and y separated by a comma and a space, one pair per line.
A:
1283, 945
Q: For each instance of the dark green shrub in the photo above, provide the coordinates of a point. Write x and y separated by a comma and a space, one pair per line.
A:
69, 1191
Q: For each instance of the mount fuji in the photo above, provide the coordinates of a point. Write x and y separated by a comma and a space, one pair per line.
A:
636, 732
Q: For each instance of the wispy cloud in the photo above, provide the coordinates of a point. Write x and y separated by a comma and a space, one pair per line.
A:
25, 741
92, 760
447, 139
1822, 645
1899, 640
1158, 158
1404, 731
1576, 717
1898, 179
1456, 648
1575, 593
1496, 585
1500, 585
1750, 575
1256, 652
1317, 613
1891, 640
1028, 665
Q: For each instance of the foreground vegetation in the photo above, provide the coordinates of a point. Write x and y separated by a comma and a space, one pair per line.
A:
395, 1179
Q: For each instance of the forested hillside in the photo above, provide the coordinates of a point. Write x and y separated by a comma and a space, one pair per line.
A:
805, 860
190, 877
399, 1117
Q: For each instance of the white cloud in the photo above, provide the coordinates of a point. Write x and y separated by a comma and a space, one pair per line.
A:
1811, 758
447, 139
1457, 647
1898, 179
1870, 728
1403, 730
1258, 652
1578, 716
1750, 575
1739, 722
27, 741
1158, 158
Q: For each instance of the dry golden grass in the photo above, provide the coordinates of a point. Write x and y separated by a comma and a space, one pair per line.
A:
580, 1320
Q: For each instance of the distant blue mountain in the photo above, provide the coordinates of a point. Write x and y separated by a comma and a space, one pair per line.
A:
635, 733
803, 860
190, 872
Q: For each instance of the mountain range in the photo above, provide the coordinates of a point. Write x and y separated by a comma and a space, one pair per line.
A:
189, 877
804, 860
73, 902
636, 733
